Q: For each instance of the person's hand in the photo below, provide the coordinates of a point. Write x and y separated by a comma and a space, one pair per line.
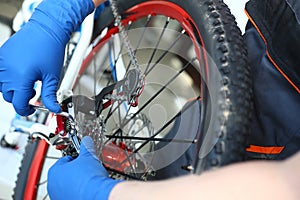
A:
36, 52
80, 178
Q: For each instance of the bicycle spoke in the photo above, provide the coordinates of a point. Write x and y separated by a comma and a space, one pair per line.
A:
130, 162
42, 183
52, 157
120, 51
123, 174
157, 43
165, 52
45, 197
112, 58
163, 127
160, 91
151, 139
143, 33
112, 109
140, 40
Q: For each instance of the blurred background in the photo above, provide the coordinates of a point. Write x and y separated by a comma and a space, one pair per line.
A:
10, 158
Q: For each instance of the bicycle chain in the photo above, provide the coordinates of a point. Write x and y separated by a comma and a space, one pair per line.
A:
124, 35
133, 59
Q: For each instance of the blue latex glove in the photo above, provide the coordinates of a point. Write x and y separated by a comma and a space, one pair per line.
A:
36, 52
80, 178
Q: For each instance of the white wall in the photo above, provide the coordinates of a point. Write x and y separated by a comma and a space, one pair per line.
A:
237, 9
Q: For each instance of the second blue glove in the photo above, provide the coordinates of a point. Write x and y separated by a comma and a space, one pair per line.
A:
80, 178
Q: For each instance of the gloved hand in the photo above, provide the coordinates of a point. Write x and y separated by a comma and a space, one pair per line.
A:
36, 52
81, 178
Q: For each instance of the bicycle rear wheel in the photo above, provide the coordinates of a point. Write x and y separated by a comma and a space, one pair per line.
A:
186, 50
196, 101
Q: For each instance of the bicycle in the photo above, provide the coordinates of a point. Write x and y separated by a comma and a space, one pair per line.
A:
130, 111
